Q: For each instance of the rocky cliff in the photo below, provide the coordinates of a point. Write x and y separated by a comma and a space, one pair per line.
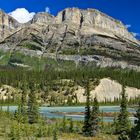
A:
92, 21
82, 36
108, 90
7, 25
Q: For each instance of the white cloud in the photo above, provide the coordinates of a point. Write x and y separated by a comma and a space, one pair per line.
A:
128, 25
22, 15
135, 34
47, 10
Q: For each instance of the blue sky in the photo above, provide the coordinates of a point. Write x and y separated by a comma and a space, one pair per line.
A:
128, 11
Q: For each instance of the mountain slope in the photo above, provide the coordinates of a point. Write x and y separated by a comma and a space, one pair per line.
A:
83, 37
8, 25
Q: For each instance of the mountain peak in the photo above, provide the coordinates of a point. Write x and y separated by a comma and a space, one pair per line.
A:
42, 17
103, 40
95, 22
7, 24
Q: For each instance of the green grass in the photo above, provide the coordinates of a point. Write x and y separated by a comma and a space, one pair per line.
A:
40, 64
5, 58
33, 62
60, 64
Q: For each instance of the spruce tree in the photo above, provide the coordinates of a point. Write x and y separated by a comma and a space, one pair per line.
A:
87, 126
124, 124
135, 133
32, 106
21, 114
123, 136
71, 126
64, 124
55, 134
17, 115
115, 124
23, 101
94, 118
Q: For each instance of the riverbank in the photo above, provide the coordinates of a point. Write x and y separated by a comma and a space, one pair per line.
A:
76, 113
102, 114
11, 128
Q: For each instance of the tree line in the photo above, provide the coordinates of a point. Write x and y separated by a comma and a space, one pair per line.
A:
15, 77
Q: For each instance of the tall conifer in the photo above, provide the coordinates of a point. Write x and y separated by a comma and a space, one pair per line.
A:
94, 118
124, 124
87, 125
135, 133
32, 105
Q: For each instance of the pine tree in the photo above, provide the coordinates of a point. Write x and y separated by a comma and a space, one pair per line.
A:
135, 133
23, 101
21, 114
115, 124
94, 118
17, 115
87, 126
55, 135
71, 126
32, 106
124, 124
123, 136
41, 131
14, 131
69, 101
64, 124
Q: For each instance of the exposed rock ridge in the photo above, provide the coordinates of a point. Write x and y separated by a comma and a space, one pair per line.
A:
7, 25
94, 19
108, 90
90, 21
73, 32
43, 17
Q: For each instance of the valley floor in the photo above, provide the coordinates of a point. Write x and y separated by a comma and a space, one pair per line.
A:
11, 129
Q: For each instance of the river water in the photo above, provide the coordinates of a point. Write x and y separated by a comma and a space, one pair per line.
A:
50, 112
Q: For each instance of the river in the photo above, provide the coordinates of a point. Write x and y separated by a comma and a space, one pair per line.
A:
50, 112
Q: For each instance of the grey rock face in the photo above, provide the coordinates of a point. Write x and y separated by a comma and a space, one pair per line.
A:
7, 25
93, 21
74, 32
43, 18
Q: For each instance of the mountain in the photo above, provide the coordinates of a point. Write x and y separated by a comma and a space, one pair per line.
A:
73, 38
8, 25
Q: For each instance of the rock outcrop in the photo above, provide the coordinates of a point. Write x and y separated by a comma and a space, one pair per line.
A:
92, 21
8, 92
43, 18
89, 34
8, 25
108, 90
